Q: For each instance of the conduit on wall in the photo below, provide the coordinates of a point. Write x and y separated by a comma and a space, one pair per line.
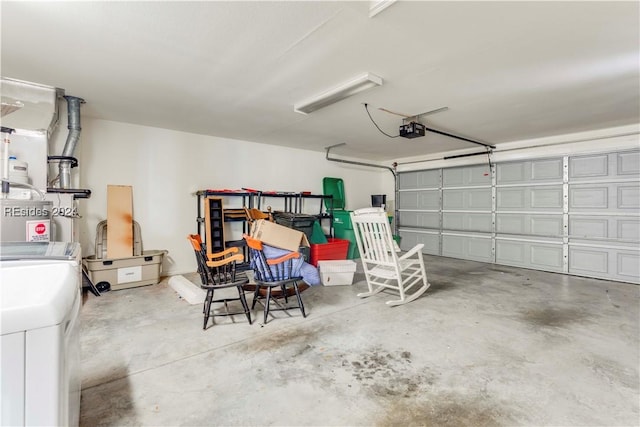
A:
392, 170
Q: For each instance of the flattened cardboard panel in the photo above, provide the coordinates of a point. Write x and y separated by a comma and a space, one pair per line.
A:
119, 221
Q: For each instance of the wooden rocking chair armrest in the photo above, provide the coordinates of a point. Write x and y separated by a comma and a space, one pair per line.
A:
229, 251
291, 255
228, 260
252, 243
413, 251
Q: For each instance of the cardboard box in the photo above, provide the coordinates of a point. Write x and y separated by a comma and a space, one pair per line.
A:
334, 273
120, 220
279, 236
124, 273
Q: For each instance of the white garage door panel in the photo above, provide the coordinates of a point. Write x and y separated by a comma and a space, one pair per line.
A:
573, 214
628, 264
468, 198
628, 163
429, 199
420, 219
538, 171
426, 199
530, 254
546, 170
629, 197
589, 166
467, 247
592, 260
546, 256
546, 225
408, 200
614, 197
511, 199
453, 246
588, 197
604, 166
547, 198
512, 224
431, 241
604, 227
588, 227
420, 179
510, 252
466, 177
531, 224
628, 228
608, 263
467, 221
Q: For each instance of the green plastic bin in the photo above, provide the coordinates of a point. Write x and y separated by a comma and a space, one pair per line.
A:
333, 187
317, 236
342, 220
349, 235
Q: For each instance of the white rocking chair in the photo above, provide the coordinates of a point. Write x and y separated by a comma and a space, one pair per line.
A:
384, 268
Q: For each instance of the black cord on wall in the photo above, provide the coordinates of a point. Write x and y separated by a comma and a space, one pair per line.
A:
366, 107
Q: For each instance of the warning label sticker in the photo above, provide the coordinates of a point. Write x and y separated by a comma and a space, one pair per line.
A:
38, 231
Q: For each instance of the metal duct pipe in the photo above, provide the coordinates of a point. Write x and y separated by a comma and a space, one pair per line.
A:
396, 184
73, 118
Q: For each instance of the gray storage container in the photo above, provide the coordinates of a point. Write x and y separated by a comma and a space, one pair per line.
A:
101, 240
123, 273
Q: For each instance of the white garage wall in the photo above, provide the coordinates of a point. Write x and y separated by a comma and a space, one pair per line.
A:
166, 167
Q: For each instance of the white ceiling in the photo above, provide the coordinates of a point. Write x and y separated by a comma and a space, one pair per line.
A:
507, 70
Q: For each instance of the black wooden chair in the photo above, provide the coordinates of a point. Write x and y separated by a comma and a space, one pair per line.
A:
275, 279
218, 271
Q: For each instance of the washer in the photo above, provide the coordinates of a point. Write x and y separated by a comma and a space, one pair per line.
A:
40, 289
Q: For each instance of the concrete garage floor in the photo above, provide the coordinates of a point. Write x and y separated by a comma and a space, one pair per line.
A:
486, 345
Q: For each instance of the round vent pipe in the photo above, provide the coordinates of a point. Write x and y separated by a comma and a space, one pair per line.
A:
73, 119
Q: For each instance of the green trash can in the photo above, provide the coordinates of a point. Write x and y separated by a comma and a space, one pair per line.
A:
350, 235
317, 236
343, 229
342, 220
333, 187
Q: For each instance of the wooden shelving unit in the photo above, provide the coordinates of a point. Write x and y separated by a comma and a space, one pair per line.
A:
214, 224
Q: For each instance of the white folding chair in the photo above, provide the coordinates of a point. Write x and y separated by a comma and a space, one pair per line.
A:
383, 265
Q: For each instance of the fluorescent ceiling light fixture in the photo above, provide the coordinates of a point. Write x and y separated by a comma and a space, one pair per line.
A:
345, 90
377, 6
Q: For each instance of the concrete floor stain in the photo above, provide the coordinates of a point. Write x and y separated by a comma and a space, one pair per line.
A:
286, 338
388, 374
444, 411
553, 317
